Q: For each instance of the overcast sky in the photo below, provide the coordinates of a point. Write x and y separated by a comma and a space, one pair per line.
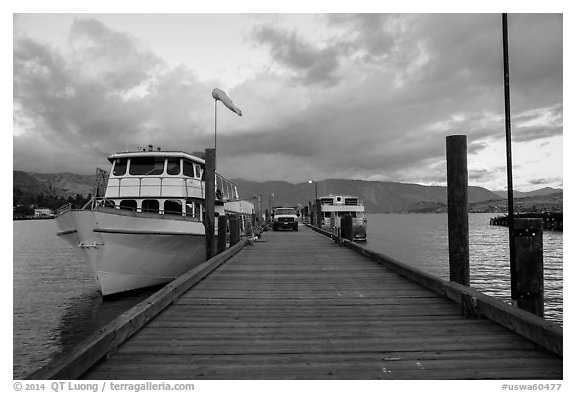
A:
350, 96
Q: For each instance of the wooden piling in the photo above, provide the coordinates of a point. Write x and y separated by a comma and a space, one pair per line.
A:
209, 200
234, 229
346, 223
318, 214
457, 181
221, 233
529, 265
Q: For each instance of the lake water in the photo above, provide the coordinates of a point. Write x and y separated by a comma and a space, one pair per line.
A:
56, 301
57, 304
421, 240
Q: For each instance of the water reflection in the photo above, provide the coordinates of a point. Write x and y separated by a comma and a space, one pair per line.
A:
86, 314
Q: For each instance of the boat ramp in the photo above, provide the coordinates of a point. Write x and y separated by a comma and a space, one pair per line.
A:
302, 305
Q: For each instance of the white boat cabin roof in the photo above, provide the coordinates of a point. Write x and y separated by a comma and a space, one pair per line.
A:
145, 153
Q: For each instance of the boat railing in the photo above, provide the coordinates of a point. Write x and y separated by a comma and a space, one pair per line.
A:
64, 209
96, 202
139, 186
92, 203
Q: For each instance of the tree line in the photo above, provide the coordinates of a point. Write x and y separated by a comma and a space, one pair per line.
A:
24, 202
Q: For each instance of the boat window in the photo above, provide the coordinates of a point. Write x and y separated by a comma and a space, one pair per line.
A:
188, 168
197, 210
173, 207
128, 204
198, 170
227, 193
120, 165
173, 167
150, 205
281, 211
147, 166
219, 188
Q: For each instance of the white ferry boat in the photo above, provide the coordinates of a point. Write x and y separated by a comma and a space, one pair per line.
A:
148, 228
341, 205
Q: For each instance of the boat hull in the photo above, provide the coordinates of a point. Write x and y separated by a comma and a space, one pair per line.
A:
127, 251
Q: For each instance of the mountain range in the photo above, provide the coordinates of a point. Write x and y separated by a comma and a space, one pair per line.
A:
378, 197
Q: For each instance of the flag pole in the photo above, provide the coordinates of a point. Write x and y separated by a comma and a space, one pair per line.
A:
215, 122
513, 291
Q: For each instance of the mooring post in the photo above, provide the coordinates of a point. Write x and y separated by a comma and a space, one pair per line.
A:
332, 223
529, 265
457, 181
234, 229
346, 223
318, 214
249, 229
209, 200
222, 233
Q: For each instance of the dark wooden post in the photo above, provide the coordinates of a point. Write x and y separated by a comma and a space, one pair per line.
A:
221, 233
234, 230
529, 265
248, 231
457, 180
318, 214
209, 200
346, 223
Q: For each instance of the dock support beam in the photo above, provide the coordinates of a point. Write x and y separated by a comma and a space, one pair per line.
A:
529, 265
222, 233
234, 229
457, 181
209, 200
346, 224
319, 217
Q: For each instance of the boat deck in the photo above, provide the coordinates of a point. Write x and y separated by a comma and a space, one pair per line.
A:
297, 306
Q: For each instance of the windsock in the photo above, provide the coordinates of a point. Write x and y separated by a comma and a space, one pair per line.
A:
220, 95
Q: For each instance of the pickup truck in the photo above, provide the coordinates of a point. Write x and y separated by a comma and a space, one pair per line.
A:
285, 218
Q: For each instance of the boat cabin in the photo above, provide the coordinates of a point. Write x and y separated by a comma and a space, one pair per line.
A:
340, 205
163, 182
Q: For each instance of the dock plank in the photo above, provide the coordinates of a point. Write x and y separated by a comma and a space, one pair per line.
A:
298, 306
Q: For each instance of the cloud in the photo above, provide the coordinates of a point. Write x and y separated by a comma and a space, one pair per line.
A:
373, 99
311, 64
118, 60
106, 91
545, 181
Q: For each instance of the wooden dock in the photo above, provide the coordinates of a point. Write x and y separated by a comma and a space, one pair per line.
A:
298, 306
551, 221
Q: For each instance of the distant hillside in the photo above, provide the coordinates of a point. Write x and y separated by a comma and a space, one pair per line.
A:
59, 184
378, 197
519, 194
535, 203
